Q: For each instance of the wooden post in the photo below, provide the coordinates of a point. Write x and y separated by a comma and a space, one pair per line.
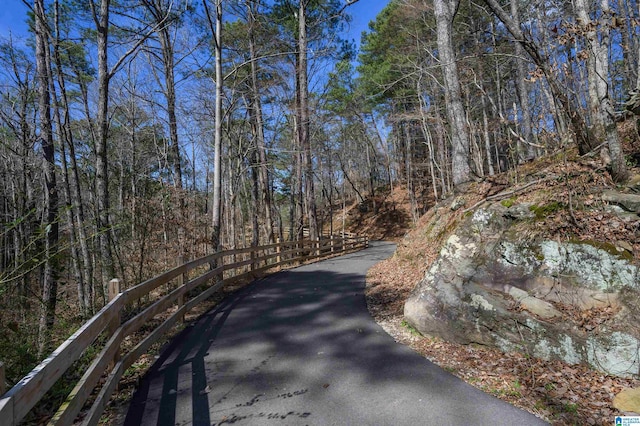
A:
182, 280
114, 289
278, 250
366, 241
331, 243
3, 387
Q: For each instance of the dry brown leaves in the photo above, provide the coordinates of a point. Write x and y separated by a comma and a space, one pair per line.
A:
558, 392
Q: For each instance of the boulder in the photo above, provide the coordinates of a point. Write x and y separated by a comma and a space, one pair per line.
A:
628, 400
538, 307
630, 202
492, 287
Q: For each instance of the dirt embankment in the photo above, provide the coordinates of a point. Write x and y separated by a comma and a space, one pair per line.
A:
572, 186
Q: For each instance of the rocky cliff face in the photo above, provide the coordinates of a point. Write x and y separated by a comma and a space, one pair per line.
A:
493, 286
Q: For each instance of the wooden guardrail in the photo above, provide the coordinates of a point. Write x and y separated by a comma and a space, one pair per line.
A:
224, 268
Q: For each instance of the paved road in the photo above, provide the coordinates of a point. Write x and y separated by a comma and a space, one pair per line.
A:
300, 348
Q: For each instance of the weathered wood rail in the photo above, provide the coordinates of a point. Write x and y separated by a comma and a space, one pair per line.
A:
111, 325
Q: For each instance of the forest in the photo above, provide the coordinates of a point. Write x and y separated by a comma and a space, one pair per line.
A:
137, 132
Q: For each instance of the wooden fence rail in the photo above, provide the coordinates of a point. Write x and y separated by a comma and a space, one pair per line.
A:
111, 325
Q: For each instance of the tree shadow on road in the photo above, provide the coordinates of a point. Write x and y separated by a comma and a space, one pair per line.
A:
299, 347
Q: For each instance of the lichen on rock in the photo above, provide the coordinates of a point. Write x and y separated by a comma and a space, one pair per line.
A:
491, 286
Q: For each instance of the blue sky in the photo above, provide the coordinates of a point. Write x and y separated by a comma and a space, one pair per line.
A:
13, 17
362, 13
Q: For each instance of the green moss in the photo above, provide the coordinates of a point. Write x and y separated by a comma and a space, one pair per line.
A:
411, 328
430, 227
608, 247
508, 202
447, 230
546, 210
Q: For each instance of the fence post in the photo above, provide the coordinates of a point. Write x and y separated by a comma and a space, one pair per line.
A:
278, 250
366, 241
331, 243
182, 280
3, 387
115, 287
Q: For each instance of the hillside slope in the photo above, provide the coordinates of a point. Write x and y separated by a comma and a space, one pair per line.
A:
572, 188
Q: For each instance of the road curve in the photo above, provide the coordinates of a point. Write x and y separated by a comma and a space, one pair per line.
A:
300, 348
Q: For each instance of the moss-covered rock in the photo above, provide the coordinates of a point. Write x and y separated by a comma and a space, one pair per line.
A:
491, 286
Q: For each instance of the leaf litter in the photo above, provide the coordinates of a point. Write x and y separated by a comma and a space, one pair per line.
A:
558, 392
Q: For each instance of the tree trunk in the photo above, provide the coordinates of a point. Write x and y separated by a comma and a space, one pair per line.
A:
444, 12
526, 152
76, 192
102, 170
592, 48
168, 62
626, 13
598, 72
50, 224
63, 137
638, 59
256, 108
217, 144
303, 122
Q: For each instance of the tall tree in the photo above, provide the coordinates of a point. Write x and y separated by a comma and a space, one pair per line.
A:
304, 140
74, 210
445, 12
100, 15
526, 152
600, 106
258, 121
50, 224
215, 24
165, 17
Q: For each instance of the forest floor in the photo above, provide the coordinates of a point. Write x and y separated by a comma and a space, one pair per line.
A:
559, 392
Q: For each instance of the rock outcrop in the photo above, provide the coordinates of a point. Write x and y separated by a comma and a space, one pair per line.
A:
492, 286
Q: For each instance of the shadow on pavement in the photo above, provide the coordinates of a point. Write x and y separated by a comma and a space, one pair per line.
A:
300, 347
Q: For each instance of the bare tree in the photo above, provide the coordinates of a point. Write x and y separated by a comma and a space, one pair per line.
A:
164, 18
526, 152
303, 121
50, 273
100, 15
445, 11
258, 122
600, 106
584, 137
216, 215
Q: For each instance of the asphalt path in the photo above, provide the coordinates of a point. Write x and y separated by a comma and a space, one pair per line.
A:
300, 348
